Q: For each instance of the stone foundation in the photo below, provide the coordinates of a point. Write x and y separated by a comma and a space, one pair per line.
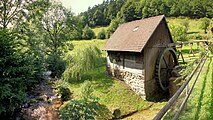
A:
135, 81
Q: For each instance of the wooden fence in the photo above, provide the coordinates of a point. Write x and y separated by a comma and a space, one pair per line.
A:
162, 112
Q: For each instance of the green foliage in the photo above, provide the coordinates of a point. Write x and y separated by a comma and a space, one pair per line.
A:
88, 33
202, 53
86, 90
102, 14
205, 22
17, 72
86, 108
78, 110
211, 48
46, 34
82, 60
64, 92
185, 23
16, 11
57, 23
129, 10
178, 33
76, 33
188, 68
55, 64
112, 27
101, 34
195, 36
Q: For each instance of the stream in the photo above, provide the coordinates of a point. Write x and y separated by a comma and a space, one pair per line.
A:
42, 103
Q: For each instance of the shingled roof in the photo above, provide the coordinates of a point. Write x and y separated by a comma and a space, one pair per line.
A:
133, 36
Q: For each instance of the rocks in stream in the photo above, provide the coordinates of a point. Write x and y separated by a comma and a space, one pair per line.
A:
43, 103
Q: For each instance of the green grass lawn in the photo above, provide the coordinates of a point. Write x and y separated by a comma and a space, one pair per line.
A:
81, 43
200, 103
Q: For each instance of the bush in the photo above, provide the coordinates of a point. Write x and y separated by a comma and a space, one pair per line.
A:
76, 35
179, 33
205, 22
64, 92
101, 34
16, 73
88, 33
87, 108
211, 48
82, 60
55, 64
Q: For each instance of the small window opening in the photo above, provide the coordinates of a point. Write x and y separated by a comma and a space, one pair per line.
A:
135, 29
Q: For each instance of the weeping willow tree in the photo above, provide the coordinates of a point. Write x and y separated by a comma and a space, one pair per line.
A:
81, 61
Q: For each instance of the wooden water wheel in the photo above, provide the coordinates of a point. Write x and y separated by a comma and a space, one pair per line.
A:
165, 63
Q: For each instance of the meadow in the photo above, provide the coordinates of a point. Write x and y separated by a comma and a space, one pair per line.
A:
115, 94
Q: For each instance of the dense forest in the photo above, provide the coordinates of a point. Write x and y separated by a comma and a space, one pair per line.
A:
34, 35
128, 10
115, 12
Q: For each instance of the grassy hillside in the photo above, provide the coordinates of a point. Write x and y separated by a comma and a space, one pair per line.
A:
194, 24
194, 29
115, 94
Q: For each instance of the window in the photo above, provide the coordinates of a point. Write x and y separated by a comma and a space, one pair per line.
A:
115, 57
135, 29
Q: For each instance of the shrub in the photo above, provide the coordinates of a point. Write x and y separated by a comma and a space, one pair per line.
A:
82, 60
86, 108
88, 33
55, 64
178, 33
205, 22
64, 92
101, 34
211, 48
86, 90
16, 73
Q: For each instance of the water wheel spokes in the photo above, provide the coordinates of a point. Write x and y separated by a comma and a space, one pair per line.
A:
165, 63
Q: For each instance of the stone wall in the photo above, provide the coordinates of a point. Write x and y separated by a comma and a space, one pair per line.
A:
135, 81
